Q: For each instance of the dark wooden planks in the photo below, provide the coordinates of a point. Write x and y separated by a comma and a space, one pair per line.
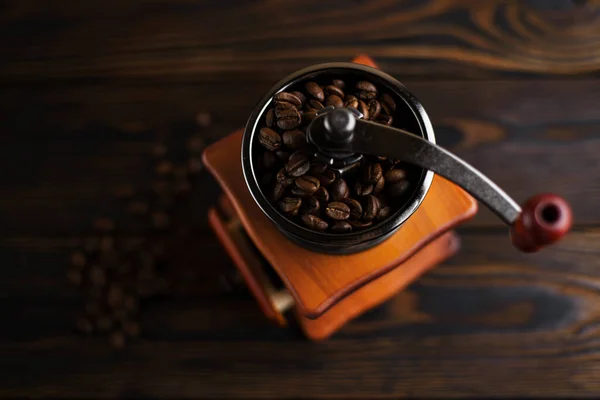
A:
491, 321
432, 38
67, 149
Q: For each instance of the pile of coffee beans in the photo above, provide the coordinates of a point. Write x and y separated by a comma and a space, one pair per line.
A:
309, 192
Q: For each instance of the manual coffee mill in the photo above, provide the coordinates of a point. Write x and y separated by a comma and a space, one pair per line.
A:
325, 278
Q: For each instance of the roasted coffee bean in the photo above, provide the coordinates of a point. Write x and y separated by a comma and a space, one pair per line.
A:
351, 101
288, 97
314, 222
384, 213
374, 109
339, 190
394, 176
341, 227
398, 189
378, 187
293, 140
364, 109
282, 105
317, 105
384, 119
366, 96
389, 102
317, 168
298, 164
363, 189
339, 83
269, 139
276, 192
309, 116
337, 210
366, 86
294, 213
308, 184
327, 177
284, 178
311, 206
269, 159
322, 195
315, 90
360, 224
356, 209
290, 204
288, 119
371, 208
334, 100
300, 96
372, 173
282, 155
334, 90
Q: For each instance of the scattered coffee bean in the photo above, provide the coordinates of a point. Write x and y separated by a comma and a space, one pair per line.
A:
290, 204
307, 184
327, 177
322, 195
360, 224
398, 189
378, 187
317, 105
384, 213
311, 206
364, 109
366, 86
269, 139
339, 83
294, 140
270, 118
395, 175
317, 167
334, 100
384, 119
337, 210
315, 90
300, 97
351, 101
284, 178
280, 106
282, 155
371, 208
389, 102
314, 222
288, 119
363, 189
276, 192
372, 173
298, 164
339, 189
309, 116
289, 98
341, 227
355, 207
374, 109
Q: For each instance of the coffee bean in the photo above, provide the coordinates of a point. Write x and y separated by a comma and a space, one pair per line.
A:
298, 164
334, 90
355, 207
317, 105
372, 173
276, 192
367, 96
389, 102
384, 119
311, 206
378, 187
300, 96
337, 210
374, 109
398, 189
314, 222
364, 109
294, 213
284, 178
351, 101
270, 118
363, 189
315, 90
293, 140
308, 184
341, 227
269, 139
371, 208
334, 100
317, 168
288, 119
339, 83
360, 224
288, 97
395, 175
269, 159
366, 86
384, 213
309, 116
282, 155
339, 189
290, 204
322, 195
327, 177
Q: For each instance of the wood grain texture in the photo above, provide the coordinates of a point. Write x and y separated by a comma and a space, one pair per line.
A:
491, 321
137, 39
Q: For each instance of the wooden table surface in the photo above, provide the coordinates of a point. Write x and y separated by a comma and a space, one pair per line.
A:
87, 89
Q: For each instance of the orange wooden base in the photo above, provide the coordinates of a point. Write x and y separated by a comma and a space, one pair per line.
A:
326, 291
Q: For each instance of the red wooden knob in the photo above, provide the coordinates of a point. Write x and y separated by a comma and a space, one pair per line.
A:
545, 218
